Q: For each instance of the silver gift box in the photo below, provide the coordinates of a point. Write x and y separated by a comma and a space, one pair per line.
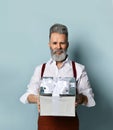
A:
57, 96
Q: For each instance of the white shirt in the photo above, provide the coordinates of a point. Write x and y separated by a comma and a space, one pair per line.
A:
51, 70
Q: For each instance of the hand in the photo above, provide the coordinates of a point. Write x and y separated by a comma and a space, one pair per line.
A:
80, 99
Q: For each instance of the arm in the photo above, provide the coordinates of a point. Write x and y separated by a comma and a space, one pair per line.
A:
30, 96
85, 94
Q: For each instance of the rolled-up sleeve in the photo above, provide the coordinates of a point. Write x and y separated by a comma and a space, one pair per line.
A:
83, 86
33, 86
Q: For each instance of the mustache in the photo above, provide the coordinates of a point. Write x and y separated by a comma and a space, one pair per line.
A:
58, 50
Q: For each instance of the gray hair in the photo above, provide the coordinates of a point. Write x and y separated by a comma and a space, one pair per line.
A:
58, 28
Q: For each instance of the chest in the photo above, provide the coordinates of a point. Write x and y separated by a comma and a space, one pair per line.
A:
64, 71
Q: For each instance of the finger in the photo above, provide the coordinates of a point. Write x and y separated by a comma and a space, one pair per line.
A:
38, 108
76, 104
38, 105
79, 99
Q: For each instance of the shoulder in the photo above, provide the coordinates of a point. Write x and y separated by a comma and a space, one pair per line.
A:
39, 66
80, 68
38, 69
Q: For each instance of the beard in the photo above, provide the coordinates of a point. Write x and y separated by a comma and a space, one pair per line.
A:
58, 57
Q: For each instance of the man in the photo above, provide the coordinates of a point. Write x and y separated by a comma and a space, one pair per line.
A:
59, 66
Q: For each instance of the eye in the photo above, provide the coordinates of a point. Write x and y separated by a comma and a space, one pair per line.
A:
54, 43
63, 43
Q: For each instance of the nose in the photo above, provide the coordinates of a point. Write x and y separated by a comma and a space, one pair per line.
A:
58, 46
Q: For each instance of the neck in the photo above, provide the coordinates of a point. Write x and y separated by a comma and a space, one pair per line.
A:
59, 64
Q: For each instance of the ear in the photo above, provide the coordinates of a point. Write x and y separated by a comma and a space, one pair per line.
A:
49, 44
67, 44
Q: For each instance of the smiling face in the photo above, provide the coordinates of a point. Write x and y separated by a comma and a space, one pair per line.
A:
58, 45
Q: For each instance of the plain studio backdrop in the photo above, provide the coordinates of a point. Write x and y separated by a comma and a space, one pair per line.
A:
24, 28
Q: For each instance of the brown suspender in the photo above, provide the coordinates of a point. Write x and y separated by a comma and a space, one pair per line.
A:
42, 70
74, 69
73, 66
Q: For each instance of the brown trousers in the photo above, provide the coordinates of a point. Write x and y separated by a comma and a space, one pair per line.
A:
58, 123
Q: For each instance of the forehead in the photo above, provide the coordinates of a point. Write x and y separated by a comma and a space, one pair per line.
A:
58, 36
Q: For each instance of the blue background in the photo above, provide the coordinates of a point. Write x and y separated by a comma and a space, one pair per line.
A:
24, 27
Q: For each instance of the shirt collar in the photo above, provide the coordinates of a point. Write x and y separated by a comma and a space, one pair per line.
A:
66, 61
